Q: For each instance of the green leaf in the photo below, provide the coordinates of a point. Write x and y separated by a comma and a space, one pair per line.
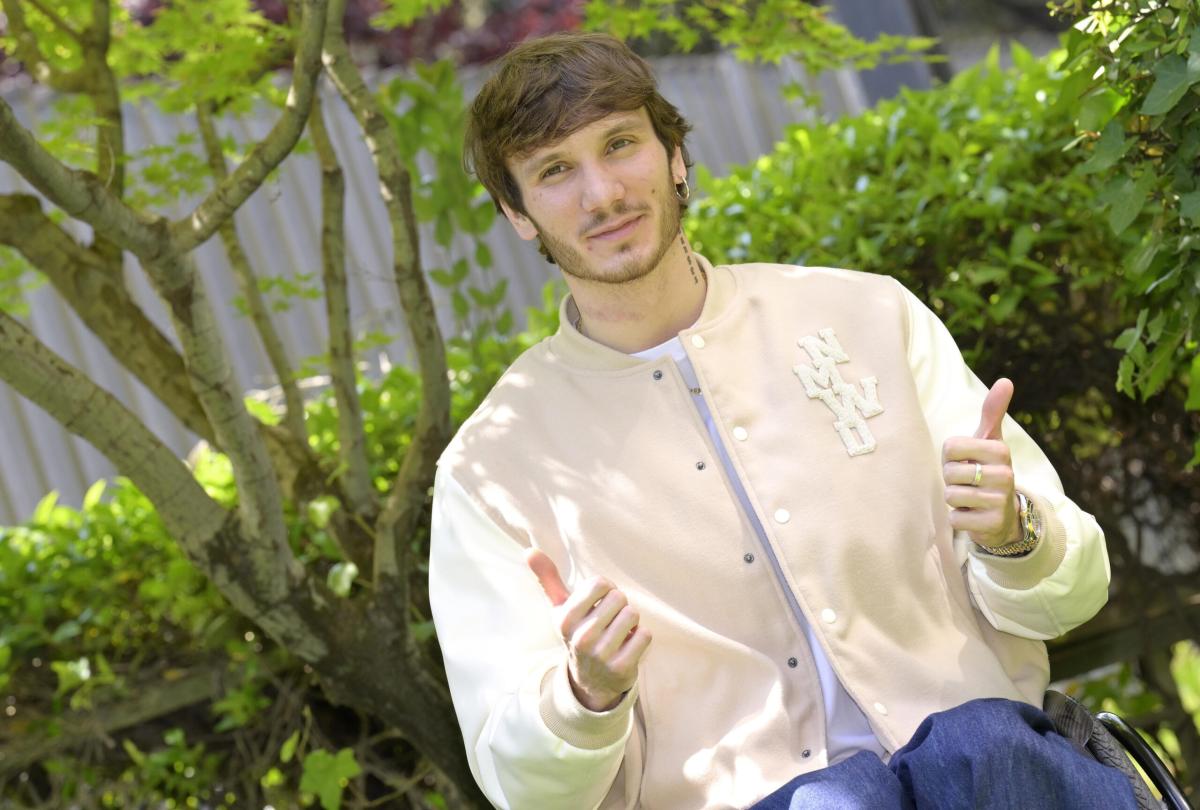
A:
1155, 327
327, 774
288, 749
442, 278
483, 254
341, 576
1193, 397
134, 753
1125, 376
45, 509
1172, 78
1111, 147
504, 323
71, 674
1189, 206
93, 495
1022, 241
461, 307
320, 510
1098, 109
1129, 204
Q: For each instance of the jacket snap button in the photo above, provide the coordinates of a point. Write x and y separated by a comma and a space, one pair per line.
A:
806, 753
748, 557
793, 663
879, 707
740, 433
828, 616
699, 465
657, 375
698, 341
782, 516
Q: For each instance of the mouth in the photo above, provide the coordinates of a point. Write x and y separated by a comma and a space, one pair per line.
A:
620, 231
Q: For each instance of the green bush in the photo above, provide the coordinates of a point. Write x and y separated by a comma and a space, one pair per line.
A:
963, 193
1135, 66
99, 608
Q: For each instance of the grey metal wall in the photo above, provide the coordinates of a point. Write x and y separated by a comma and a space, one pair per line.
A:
738, 113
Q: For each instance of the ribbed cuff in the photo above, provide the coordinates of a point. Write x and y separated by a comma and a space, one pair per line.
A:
574, 723
1022, 573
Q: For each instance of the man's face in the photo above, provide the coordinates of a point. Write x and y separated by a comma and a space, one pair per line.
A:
576, 191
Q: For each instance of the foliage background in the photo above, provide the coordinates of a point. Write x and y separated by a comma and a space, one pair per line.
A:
981, 196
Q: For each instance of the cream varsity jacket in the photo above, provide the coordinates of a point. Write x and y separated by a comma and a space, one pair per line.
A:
832, 391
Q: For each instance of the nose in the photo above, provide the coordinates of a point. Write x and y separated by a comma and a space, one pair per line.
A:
601, 188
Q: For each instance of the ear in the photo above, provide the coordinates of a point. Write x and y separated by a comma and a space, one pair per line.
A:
678, 167
522, 224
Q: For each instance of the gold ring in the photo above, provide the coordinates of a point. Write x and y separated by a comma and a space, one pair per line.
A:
978, 474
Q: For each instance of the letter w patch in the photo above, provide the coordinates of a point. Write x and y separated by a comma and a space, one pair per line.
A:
823, 381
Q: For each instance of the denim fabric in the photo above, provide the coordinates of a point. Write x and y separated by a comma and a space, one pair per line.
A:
989, 754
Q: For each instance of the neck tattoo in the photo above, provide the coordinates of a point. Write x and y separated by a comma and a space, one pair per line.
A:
695, 280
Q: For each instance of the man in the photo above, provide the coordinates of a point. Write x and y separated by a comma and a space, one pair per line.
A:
736, 534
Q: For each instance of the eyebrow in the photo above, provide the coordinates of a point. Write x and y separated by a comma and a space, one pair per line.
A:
628, 122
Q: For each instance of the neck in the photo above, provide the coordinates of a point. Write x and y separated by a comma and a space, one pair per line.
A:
639, 314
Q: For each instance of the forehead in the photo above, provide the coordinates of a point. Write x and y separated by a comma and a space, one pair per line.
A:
597, 130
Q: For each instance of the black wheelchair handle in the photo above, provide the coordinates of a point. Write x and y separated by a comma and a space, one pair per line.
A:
1144, 755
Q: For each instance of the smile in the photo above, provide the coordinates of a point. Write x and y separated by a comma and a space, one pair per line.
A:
623, 231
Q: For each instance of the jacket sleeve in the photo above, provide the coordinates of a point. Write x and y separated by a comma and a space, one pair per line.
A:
531, 745
1064, 581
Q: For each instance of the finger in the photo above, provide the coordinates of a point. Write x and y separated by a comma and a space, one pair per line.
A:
581, 603
618, 631
588, 633
973, 498
547, 575
974, 520
997, 477
632, 651
985, 451
995, 405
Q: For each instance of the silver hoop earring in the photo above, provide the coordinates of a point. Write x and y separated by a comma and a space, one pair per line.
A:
687, 191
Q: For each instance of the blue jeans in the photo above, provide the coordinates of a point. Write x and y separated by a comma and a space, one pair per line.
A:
988, 754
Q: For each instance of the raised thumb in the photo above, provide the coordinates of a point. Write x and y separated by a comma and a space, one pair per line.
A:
548, 577
995, 405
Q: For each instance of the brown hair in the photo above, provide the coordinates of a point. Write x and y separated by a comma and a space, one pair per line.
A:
548, 88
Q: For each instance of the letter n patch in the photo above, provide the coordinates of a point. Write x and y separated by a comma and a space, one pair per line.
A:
823, 381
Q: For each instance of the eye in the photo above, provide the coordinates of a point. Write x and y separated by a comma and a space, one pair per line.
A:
550, 172
619, 140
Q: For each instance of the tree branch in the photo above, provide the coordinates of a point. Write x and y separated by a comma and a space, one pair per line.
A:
352, 451
248, 284
79, 193
402, 512
96, 292
154, 699
57, 21
275, 570
106, 101
87, 410
202, 223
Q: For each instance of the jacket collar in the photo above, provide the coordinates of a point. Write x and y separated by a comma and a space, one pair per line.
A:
573, 348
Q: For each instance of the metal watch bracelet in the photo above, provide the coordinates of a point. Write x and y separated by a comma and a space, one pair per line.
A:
1031, 531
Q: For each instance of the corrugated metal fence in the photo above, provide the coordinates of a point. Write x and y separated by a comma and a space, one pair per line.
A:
738, 112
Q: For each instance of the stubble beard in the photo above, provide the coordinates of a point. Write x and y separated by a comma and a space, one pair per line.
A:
575, 265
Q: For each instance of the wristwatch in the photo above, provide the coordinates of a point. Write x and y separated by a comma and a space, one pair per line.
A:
1031, 531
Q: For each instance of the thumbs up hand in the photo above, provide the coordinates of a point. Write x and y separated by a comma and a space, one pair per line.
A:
979, 477
604, 640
